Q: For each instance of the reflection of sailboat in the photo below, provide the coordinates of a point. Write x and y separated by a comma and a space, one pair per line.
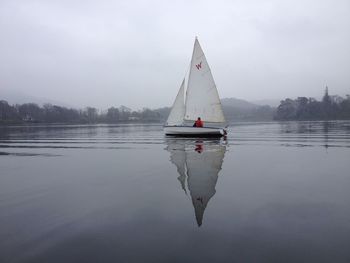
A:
198, 164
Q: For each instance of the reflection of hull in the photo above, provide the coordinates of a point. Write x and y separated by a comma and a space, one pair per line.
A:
194, 131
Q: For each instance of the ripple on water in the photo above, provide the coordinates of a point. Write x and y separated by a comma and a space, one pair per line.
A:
116, 137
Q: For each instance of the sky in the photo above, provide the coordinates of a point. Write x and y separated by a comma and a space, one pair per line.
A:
135, 53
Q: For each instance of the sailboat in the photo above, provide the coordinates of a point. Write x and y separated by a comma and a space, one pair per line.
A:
197, 97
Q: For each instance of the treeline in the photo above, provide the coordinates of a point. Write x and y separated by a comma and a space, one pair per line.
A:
258, 113
48, 113
302, 108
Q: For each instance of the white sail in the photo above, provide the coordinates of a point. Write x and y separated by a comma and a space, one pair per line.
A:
177, 112
202, 98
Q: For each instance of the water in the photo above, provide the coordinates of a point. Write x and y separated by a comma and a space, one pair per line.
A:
270, 192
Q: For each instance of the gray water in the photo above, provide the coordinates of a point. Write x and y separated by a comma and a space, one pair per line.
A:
269, 192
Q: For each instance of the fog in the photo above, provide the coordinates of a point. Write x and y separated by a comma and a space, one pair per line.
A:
135, 53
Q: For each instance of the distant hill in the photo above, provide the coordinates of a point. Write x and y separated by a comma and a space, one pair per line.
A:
242, 110
13, 97
269, 102
238, 103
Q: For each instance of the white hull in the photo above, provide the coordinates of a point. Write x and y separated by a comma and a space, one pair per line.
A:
194, 131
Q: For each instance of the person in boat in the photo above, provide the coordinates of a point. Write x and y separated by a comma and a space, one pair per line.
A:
198, 123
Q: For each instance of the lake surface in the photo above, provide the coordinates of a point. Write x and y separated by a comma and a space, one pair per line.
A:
270, 192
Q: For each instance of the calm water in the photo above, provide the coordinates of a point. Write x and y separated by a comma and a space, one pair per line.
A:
270, 192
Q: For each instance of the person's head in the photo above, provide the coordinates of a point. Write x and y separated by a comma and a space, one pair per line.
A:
199, 118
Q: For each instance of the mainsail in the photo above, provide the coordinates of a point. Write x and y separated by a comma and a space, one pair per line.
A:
202, 97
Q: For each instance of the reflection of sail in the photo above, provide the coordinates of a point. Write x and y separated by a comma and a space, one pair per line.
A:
199, 164
203, 169
178, 158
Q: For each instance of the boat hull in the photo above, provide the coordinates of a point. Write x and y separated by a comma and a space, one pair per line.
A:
187, 131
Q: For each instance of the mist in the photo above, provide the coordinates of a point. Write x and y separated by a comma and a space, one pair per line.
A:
135, 53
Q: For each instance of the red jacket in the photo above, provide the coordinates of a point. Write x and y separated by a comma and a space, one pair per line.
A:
198, 123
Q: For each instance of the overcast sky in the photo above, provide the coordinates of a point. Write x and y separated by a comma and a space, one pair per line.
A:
135, 53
